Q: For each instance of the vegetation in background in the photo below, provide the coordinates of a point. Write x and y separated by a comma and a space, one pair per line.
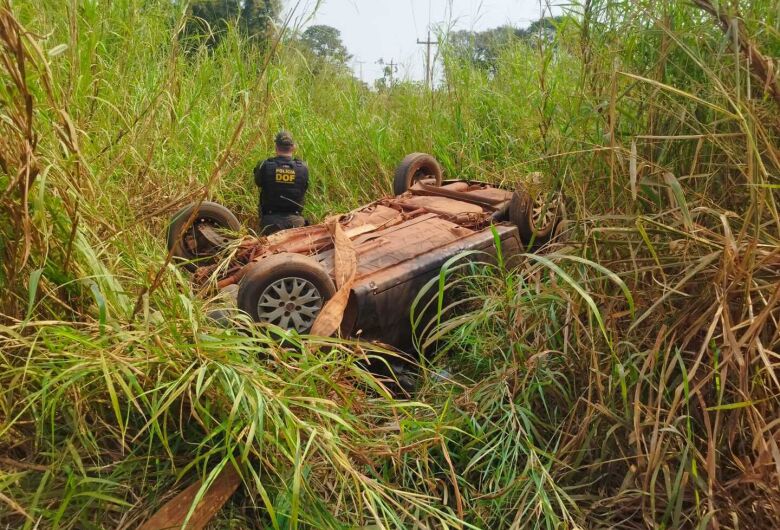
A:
625, 377
325, 42
483, 48
210, 20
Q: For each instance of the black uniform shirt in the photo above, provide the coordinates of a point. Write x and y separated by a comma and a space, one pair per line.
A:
283, 182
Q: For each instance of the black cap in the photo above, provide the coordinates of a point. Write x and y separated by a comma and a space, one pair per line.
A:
284, 139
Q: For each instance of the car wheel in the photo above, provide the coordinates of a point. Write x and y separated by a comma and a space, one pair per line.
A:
414, 167
203, 239
287, 290
535, 216
399, 375
407, 378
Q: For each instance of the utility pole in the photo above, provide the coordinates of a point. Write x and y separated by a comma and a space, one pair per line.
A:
389, 69
428, 66
361, 63
392, 66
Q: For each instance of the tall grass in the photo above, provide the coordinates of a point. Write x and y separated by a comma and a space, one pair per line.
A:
627, 377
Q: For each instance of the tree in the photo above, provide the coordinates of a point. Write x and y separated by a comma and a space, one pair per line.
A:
388, 72
325, 42
258, 17
544, 29
210, 18
482, 48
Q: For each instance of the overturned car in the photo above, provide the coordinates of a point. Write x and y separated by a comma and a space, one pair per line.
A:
397, 243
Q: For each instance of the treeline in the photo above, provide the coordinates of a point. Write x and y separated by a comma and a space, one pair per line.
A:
209, 19
482, 49
257, 20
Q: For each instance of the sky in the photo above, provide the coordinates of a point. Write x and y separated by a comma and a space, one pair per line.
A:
389, 29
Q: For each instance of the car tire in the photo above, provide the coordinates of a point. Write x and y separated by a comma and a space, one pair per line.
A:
406, 380
398, 373
414, 167
287, 290
534, 217
211, 213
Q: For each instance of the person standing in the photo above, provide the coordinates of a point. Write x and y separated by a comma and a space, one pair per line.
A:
282, 182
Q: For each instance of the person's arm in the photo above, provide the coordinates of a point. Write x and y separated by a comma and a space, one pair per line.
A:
305, 178
259, 171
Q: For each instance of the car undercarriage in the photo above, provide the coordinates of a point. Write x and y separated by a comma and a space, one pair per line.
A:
397, 244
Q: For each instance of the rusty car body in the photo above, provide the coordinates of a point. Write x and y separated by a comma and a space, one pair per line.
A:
399, 242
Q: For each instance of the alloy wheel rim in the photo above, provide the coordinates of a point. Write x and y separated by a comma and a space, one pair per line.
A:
290, 303
543, 212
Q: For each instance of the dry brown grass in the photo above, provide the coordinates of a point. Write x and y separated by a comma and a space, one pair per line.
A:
627, 378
